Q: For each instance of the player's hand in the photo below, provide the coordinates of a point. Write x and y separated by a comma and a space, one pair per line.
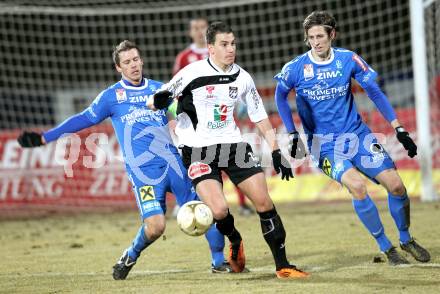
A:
162, 99
407, 142
297, 148
281, 164
30, 139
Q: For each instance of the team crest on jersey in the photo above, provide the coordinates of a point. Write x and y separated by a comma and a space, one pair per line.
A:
308, 71
233, 92
338, 64
121, 95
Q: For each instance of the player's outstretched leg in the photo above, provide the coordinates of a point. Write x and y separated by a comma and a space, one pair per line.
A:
399, 207
216, 244
236, 258
130, 255
369, 216
275, 236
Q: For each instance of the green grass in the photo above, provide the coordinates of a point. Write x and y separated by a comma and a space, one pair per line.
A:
75, 254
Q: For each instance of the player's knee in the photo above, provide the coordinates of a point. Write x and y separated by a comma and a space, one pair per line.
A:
358, 189
397, 188
263, 203
155, 229
220, 211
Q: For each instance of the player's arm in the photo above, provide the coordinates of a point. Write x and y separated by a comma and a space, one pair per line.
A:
166, 95
258, 115
366, 78
281, 100
94, 114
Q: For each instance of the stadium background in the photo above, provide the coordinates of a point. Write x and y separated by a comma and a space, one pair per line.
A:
56, 57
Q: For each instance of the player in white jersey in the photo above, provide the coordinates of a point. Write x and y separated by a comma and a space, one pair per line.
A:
208, 91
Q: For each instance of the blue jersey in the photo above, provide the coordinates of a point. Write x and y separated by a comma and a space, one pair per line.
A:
142, 133
324, 99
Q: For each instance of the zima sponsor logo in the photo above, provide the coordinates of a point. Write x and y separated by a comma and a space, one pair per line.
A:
198, 169
308, 71
137, 99
329, 74
359, 61
121, 95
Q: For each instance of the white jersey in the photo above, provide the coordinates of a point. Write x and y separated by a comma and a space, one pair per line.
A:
207, 97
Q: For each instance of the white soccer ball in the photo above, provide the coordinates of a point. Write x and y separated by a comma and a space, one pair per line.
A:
194, 218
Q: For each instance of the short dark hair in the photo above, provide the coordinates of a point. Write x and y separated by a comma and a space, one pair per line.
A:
124, 46
319, 18
217, 27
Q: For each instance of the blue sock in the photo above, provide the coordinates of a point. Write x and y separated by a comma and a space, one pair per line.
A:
399, 209
216, 244
140, 242
369, 216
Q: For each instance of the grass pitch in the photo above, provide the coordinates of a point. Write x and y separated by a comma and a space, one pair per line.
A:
75, 254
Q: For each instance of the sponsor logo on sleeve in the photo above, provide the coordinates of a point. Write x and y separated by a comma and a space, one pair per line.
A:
359, 61
198, 169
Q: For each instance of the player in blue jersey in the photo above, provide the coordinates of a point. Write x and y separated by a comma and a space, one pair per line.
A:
339, 142
153, 163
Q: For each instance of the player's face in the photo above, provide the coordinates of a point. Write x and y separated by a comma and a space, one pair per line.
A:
130, 66
320, 41
197, 31
223, 50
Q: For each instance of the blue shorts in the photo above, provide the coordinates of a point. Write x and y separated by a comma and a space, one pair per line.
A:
150, 185
361, 151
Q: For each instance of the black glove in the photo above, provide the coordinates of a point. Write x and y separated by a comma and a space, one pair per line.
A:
30, 139
162, 99
297, 146
406, 141
280, 163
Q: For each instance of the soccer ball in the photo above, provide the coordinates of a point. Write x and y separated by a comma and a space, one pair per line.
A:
194, 218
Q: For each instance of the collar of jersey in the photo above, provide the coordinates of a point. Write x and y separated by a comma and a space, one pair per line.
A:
228, 71
197, 50
332, 56
127, 85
